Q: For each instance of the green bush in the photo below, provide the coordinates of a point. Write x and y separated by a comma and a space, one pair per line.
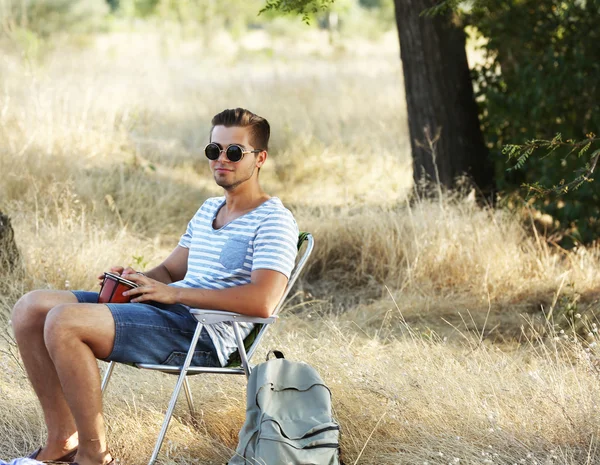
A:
541, 77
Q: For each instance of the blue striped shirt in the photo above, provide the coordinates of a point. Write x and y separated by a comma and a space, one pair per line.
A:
264, 238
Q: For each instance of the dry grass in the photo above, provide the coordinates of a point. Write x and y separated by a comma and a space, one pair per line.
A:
411, 311
405, 400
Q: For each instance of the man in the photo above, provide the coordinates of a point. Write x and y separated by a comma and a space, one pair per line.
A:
237, 255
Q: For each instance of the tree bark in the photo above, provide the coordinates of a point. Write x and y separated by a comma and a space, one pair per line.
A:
10, 258
439, 97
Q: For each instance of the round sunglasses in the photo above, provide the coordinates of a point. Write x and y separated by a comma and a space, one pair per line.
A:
233, 152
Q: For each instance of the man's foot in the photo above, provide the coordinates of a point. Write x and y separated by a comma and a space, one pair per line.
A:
108, 459
112, 462
40, 455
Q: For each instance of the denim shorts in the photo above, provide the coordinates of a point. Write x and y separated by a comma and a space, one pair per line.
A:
155, 333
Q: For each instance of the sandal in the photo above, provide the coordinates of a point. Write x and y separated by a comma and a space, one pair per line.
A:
68, 457
113, 461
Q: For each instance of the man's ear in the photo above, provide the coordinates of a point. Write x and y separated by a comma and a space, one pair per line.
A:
261, 158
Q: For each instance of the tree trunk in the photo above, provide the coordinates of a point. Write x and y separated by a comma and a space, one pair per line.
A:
439, 97
10, 259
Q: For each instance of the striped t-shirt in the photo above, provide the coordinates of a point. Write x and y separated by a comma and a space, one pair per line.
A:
264, 238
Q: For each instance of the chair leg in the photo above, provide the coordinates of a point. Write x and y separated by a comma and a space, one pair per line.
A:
241, 349
107, 375
180, 382
188, 396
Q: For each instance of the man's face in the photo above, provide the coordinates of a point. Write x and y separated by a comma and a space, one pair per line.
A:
228, 174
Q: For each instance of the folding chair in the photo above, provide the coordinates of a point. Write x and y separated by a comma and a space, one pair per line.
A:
246, 347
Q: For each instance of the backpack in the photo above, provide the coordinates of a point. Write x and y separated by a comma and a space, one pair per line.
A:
288, 417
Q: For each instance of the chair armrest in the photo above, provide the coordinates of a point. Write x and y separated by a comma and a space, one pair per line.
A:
210, 317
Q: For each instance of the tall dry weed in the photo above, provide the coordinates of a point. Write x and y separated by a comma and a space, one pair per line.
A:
447, 244
408, 400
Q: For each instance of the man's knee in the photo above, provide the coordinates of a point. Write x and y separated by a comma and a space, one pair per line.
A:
73, 323
30, 312
60, 324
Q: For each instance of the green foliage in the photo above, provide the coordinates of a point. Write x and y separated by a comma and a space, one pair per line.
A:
366, 18
139, 262
538, 91
304, 8
443, 7
576, 148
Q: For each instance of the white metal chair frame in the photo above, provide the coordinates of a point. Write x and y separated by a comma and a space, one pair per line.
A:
211, 317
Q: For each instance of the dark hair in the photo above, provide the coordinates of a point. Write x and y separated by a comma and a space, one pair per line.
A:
260, 131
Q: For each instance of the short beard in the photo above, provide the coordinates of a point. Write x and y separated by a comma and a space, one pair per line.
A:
230, 187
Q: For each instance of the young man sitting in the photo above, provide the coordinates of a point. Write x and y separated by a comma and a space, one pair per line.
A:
237, 255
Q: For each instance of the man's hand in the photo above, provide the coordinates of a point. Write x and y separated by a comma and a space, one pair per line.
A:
118, 270
150, 290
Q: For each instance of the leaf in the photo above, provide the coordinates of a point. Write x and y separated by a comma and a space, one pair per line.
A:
302, 8
584, 149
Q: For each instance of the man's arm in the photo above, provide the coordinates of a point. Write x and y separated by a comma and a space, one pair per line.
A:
172, 269
258, 298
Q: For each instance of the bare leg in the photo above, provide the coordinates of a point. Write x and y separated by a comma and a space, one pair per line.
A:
28, 320
75, 335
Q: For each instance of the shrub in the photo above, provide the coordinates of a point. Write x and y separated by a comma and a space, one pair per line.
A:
540, 79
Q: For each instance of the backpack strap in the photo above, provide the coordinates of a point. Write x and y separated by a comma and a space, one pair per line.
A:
276, 353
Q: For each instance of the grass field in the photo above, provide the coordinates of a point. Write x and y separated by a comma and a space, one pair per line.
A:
448, 332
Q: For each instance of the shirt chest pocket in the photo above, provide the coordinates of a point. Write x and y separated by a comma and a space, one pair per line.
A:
233, 254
